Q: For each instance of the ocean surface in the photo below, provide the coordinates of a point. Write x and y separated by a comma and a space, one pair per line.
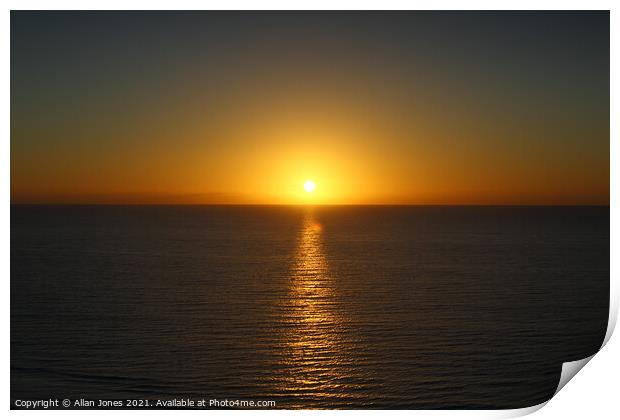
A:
325, 307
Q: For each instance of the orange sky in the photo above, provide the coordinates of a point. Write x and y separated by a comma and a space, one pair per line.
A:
247, 120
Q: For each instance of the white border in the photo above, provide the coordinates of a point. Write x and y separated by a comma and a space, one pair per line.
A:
592, 395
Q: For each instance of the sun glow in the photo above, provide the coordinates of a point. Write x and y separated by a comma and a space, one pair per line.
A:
309, 186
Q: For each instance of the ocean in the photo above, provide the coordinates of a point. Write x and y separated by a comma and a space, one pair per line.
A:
392, 307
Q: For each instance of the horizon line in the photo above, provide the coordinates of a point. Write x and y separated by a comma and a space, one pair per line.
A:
316, 204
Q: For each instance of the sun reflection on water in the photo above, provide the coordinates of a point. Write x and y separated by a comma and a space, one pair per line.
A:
317, 360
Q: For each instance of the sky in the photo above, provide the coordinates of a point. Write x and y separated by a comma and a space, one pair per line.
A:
374, 107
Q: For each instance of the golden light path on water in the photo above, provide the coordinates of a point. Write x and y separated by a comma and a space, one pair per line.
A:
318, 359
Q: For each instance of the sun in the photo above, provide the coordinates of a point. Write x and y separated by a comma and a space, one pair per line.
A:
309, 186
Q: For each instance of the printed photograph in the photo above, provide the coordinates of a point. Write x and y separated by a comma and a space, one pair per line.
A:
301, 210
